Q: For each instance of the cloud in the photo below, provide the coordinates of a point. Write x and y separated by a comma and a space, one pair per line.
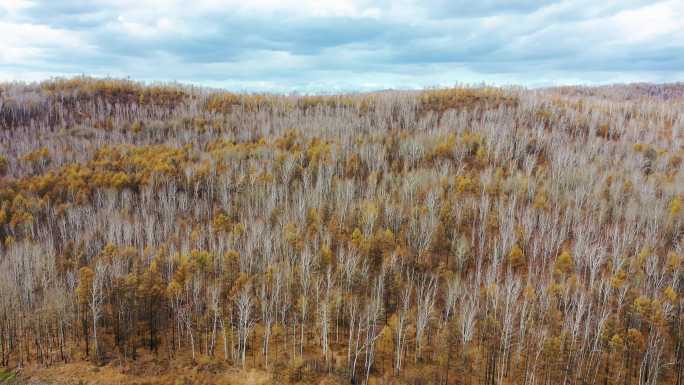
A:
323, 45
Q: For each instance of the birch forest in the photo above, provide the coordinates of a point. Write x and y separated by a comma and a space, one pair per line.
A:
163, 233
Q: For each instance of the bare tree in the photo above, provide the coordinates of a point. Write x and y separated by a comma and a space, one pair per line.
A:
269, 296
426, 291
401, 321
246, 320
96, 300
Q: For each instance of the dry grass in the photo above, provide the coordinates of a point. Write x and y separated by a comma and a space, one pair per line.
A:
145, 372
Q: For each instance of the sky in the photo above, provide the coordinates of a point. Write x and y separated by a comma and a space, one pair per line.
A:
319, 46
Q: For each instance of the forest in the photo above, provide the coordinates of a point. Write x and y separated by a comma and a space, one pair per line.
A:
167, 233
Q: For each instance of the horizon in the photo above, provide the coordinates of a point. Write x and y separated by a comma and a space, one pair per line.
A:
351, 46
210, 89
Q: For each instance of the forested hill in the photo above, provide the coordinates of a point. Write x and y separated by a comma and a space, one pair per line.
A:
173, 234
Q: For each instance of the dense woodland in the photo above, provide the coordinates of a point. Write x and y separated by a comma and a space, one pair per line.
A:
472, 235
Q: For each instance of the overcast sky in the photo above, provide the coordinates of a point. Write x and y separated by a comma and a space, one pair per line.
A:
333, 45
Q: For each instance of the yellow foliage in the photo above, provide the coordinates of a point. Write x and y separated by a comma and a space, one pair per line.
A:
41, 154
618, 279
317, 151
471, 141
387, 239
326, 255
312, 218
445, 148
465, 184
516, 257
3, 165
174, 289
117, 91
20, 218
670, 294
675, 206
643, 306
564, 262
616, 343
238, 229
530, 293
552, 346
541, 200
674, 261
357, 237
85, 284
465, 98
137, 127
635, 339
291, 234
289, 141
481, 154
202, 258
222, 223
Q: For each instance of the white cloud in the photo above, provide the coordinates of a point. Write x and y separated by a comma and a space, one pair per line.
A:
13, 6
345, 44
658, 21
23, 42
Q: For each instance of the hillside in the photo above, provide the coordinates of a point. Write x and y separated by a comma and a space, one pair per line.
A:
173, 234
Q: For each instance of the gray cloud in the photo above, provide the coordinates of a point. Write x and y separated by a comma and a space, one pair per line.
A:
366, 45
